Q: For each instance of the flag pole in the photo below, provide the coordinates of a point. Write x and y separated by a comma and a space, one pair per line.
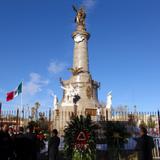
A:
21, 101
1, 113
22, 111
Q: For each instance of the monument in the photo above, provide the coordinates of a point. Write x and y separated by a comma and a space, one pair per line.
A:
80, 92
109, 106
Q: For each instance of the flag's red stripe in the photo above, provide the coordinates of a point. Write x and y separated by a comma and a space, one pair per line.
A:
10, 96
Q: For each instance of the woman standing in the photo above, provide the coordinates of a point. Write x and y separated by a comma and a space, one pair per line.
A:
53, 145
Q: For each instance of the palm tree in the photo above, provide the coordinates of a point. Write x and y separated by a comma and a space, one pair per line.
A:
36, 106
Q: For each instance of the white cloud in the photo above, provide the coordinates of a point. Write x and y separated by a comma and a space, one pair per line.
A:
56, 67
89, 3
35, 84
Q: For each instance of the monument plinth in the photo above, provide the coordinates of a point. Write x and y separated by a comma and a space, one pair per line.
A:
81, 82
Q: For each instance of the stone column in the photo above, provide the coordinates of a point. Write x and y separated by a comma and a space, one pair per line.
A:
81, 50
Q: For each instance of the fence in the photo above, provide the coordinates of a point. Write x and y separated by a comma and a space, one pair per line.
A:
22, 117
151, 120
133, 119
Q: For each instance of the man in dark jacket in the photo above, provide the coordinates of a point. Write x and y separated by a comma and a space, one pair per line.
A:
21, 145
53, 145
144, 145
6, 144
31, 147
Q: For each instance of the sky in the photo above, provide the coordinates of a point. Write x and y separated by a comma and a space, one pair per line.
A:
124, 49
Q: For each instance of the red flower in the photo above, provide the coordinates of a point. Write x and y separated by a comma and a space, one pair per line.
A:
40, 136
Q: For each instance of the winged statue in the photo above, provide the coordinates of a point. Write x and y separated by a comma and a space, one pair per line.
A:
80, 15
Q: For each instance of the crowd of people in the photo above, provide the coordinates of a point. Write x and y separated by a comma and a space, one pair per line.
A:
26, 145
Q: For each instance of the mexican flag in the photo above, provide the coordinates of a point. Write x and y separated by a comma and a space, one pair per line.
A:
11, 95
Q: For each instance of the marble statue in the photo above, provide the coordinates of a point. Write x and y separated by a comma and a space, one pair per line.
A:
55, 102
67, 93
70, 93
98, 114
109, 100
98, 111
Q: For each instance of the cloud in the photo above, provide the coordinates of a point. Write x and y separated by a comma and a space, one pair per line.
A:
89, 3
56, 67
35, 84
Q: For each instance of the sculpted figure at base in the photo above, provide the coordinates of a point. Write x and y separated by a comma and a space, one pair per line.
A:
109, 100
55, 102
70, 93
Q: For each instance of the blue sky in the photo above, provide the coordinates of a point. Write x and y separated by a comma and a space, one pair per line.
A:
124, 49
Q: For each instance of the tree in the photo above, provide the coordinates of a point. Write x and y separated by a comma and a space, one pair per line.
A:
151, 123
42, 121
132, 120
143, 124
34, 111
36, 106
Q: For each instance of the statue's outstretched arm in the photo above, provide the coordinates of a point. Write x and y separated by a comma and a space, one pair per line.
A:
64, 88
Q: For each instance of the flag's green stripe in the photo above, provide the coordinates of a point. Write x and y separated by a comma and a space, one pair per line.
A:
19, 89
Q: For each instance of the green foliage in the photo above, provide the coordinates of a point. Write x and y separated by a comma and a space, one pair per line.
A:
143, 124
151, 123
33, 124
116, 134
132, 120
82, 156
75, 126
41, 124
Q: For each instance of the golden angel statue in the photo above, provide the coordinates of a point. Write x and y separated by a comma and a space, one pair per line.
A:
80, 16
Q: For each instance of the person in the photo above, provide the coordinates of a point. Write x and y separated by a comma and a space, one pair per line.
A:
53, 145
40, 145
6, 145
31, 146
11, 132
20, 145
144, 146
